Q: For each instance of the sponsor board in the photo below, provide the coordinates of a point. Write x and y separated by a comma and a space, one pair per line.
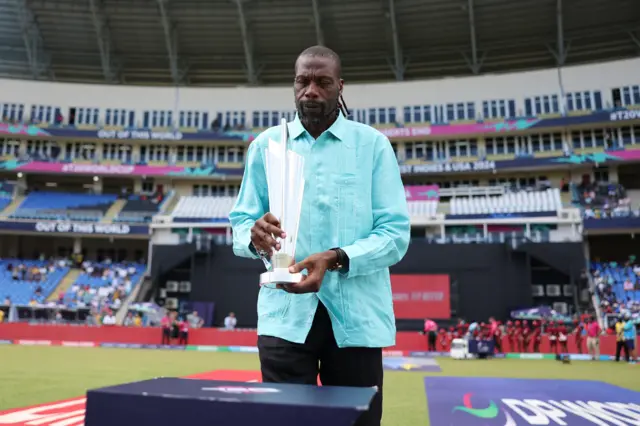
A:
78, 344
6, 342
463, 401
23, 342
411, 364
71, 412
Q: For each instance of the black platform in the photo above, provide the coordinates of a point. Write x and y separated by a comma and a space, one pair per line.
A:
176, 402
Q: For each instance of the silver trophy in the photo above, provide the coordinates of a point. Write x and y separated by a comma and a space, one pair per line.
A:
285, 182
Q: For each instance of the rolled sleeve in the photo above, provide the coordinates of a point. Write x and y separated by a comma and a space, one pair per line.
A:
388, 242
252, 202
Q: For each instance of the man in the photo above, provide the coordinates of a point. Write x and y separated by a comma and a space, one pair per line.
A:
577, 331
354, 225
195, 321
629, 331
620, 341
230, 321
593, 339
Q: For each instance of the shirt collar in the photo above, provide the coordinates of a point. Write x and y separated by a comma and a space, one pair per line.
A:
337, 129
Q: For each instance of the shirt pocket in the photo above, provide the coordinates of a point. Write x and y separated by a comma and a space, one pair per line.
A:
346, 202
273, 303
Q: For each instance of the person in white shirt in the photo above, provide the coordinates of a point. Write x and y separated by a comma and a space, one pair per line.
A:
230, 321
109, 319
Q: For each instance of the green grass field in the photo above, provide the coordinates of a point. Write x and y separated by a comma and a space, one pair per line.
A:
34, 375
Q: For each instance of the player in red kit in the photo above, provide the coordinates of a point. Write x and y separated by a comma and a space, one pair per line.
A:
553, 338
497, 336
510, 337
526, 336
518, 336
577, 332
563, 337
451, 334
442, 339
536, 336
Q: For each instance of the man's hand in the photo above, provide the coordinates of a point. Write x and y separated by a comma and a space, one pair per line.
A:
316, 266
264, 231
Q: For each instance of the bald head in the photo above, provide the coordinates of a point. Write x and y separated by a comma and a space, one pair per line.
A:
322, 52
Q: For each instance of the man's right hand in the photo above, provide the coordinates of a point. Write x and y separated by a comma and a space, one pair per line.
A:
264, 231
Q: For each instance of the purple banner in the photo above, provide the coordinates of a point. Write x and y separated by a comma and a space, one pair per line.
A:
422, 192
462, 401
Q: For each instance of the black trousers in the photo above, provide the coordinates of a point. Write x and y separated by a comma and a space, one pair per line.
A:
431, 341
282, 361
621, 346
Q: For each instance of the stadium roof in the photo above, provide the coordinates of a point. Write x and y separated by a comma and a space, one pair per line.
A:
230, 42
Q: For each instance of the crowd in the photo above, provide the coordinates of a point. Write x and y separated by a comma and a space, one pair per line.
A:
526, 336
617, 286
603, 200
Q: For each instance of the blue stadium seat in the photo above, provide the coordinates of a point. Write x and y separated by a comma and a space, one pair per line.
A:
20, 291
64, 206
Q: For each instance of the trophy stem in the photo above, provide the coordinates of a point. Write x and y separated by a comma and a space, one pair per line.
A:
283, 140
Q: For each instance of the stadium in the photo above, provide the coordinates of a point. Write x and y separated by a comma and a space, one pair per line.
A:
124, 130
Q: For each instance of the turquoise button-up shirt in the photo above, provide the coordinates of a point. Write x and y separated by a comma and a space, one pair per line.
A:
353, 199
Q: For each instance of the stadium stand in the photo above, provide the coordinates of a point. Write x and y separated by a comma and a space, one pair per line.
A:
64, 206
140, 208
27, 282
202, 209
102, 285
547, 201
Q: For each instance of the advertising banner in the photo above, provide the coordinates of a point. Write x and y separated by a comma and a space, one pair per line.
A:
96, 228
433, 130
465, 401
422, 192
421, 296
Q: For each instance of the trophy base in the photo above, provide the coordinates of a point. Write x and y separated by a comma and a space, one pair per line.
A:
280, 276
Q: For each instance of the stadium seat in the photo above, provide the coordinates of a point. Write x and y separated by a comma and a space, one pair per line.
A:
22, 291
512, 202
138, 209
422, 208
95, 283
64, 206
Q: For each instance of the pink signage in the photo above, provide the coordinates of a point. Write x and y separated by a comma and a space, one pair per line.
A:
422, 192
458, 129
99, 169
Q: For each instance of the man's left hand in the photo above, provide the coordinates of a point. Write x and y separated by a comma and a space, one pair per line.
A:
316, 266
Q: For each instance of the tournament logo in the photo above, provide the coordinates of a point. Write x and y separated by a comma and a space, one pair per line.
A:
490, 412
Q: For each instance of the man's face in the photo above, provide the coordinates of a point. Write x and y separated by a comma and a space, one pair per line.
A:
317, 87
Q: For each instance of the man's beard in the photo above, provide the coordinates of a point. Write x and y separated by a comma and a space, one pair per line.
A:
322, 113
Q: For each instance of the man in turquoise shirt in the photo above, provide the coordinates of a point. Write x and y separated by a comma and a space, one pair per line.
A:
629, 334
354, 225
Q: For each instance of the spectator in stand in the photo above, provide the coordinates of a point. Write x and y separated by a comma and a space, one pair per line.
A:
593, 339
109, 319
137, 320
195, 321
128, 321
7, 301
1, 316
230, 321
629, 330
